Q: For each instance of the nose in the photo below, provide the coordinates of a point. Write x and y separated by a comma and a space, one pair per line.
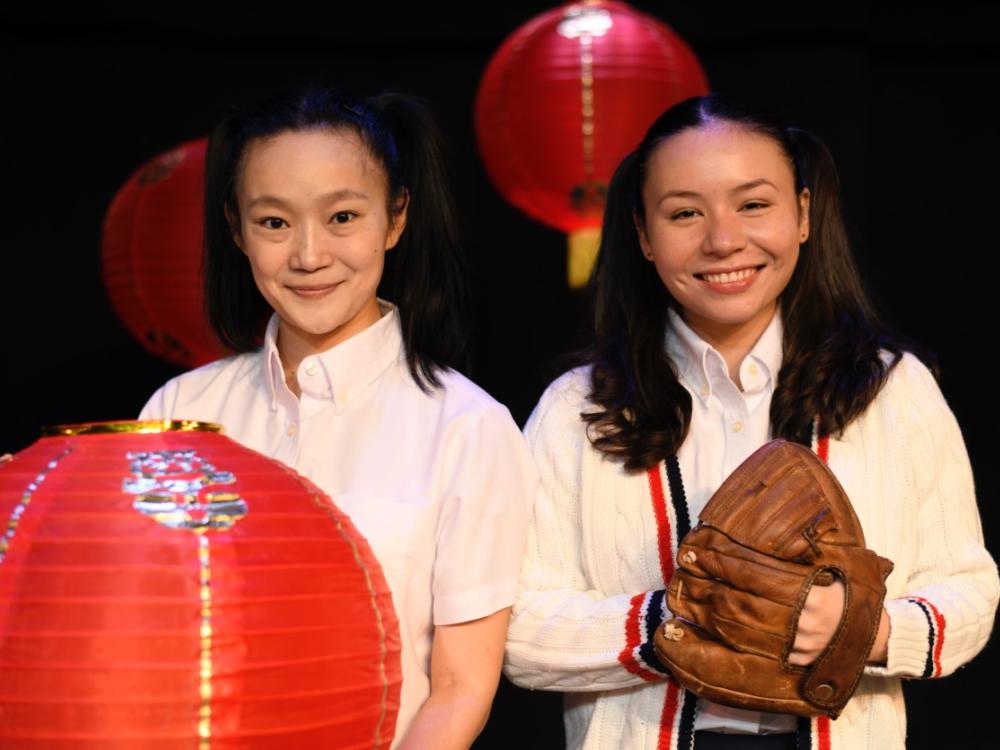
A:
724, 234
312, 251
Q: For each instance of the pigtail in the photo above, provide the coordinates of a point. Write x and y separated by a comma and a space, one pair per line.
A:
425, 273
835, 345
234, 307
837, 354
643, 411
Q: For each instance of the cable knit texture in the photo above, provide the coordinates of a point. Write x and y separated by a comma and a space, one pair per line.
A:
600, 548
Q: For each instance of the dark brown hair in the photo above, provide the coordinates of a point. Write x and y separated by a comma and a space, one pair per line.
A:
836, 352
424, 274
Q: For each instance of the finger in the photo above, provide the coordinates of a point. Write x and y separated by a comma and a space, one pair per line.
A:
822, 612
803, 657
818, 621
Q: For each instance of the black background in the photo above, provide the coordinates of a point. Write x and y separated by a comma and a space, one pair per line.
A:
902, 94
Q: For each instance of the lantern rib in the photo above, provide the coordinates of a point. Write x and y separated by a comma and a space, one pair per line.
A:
21, 507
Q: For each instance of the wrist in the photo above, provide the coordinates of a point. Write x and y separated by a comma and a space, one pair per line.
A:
879, 653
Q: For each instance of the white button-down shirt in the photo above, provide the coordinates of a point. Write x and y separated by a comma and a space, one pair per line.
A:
440, 484
730, 425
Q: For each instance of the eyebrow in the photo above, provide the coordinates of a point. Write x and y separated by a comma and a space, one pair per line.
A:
331, 197
738, 189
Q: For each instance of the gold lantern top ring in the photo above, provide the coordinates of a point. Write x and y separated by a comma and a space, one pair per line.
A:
141, 427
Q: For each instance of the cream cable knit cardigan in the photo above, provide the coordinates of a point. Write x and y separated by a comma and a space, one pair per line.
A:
592, 580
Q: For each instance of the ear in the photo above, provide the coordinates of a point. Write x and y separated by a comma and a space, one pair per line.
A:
234, 227
640, 230
805, 200
398, 218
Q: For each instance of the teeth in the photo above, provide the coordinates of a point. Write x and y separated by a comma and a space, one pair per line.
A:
727, 278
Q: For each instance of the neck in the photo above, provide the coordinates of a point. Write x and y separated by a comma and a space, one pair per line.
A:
295, 344
733, 342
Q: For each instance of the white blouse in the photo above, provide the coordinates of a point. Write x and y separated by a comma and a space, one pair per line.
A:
440, 484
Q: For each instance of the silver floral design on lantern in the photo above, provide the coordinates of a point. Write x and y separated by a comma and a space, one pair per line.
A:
181, 490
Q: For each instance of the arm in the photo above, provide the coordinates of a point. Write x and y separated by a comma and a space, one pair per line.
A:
465, 670
566, 633
945, 614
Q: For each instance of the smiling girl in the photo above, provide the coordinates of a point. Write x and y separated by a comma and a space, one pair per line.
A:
314, 203
728, 311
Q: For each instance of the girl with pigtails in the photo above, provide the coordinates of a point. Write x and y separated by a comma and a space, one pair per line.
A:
728, 311
333, 269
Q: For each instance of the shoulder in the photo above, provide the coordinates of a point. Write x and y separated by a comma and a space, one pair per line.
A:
559, 408
463, 402
180, 396
910, 404
909, 383
479, 434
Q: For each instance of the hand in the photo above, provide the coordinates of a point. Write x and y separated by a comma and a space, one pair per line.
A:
818, 622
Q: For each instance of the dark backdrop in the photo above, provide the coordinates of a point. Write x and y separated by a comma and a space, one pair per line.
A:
900, 95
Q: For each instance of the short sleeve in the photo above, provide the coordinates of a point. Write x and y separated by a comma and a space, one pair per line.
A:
489, 481
157, 407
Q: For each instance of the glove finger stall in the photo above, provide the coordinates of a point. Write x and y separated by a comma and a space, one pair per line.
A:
708, 553
743, 621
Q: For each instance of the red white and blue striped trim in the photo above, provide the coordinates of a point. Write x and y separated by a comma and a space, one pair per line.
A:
814, 733
647, 610
935, 635
677, 720
645, 615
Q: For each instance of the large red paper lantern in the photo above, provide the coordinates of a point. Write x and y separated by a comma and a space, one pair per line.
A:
565, 98
151, 256
162, 586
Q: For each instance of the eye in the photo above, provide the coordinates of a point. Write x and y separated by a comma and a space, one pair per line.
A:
755, 205
685, 213
272, 222
342, 217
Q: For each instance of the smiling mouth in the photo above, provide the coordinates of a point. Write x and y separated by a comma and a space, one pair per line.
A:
728, 277
313, 291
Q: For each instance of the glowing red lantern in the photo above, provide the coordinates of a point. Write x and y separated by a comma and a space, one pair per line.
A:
565, 98
151, 256
163, 586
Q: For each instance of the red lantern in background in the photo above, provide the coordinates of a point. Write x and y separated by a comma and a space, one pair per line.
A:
565, 98
163, 586
151, 256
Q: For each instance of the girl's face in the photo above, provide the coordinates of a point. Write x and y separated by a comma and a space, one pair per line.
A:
723, 227
314, 224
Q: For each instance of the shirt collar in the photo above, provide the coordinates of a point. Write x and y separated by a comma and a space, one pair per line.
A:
696, 360
341, 372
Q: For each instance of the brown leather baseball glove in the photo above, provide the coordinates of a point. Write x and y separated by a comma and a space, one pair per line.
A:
778, 525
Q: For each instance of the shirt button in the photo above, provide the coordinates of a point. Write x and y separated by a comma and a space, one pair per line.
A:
704, 390
752, 369
737, 426
312, 368
292, 429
